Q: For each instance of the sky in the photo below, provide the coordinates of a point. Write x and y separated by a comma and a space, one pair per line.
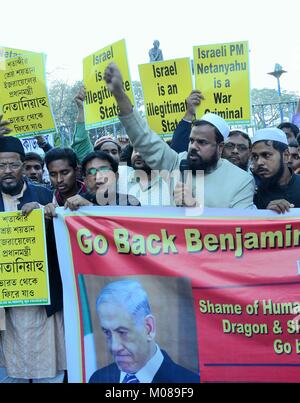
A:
69, 30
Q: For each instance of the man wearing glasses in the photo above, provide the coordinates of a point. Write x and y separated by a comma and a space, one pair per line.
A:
237, 149
224, 184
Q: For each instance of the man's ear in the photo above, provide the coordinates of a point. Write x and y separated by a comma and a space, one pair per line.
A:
150, 326
221, 147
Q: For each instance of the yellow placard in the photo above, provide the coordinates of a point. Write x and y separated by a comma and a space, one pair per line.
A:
23, 95
222, 74
166, 85
10, 53
100, 107
23, 260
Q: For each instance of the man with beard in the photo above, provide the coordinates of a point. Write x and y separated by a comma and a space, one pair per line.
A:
278, 187
237, 147
100, 172
225, 185
32, 345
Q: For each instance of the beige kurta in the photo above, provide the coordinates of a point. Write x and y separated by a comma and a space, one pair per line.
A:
32, 346
227, 186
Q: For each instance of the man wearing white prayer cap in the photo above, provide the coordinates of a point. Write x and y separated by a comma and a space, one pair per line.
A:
278, 187
225, 185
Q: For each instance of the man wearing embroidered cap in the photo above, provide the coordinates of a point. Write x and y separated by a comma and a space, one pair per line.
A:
108, 145
32, 345
225, 185
278, 187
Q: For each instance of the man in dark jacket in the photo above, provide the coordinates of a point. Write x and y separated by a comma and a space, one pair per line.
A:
33, 341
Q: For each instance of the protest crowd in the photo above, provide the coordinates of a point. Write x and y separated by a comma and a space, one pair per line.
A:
206, 165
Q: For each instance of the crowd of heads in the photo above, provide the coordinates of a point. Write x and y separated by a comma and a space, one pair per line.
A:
271, 156
208, 142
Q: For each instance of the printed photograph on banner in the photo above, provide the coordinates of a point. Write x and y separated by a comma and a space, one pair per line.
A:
166, 85
137, 320
246, 306
222, 75
100, 107
23, 265
23, 95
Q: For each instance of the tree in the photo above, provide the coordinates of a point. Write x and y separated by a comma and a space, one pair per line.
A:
138, 94
61, 96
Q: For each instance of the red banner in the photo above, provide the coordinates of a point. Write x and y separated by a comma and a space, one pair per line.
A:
224, 290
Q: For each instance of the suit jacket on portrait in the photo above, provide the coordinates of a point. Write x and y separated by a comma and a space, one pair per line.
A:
168, 372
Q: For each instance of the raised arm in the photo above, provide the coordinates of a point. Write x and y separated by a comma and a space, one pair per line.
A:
114, 82
156, 153
43, 144
81, 144
181, 136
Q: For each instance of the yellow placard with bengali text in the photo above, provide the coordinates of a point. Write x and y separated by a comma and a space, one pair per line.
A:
23, 260
166, 85
10, 53
222, 74
23, 95
100, 107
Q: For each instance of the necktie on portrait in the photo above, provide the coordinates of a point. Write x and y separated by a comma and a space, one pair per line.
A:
130, 378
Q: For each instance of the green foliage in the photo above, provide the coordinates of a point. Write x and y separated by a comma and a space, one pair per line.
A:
138, 94
270, 96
